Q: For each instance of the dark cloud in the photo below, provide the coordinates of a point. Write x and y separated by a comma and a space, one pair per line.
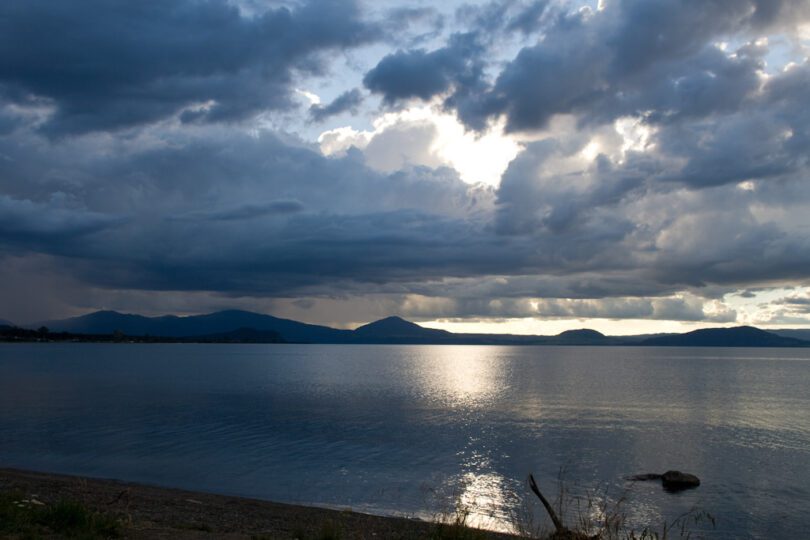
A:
529, 19
765, 138
418, 73
30, 224
427, 21
188, 225
740, 148
632, 58
796, 302
347, 101
496, 19
219, 213
9, 121
795, 305
669, 234
415, 73
248, 211
108, 65
709, 196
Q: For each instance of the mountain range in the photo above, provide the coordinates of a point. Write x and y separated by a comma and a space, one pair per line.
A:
245, 326
107, 322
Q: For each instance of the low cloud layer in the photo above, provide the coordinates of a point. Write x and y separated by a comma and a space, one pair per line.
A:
155, 150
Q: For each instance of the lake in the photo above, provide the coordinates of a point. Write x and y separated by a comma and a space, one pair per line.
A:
413, 430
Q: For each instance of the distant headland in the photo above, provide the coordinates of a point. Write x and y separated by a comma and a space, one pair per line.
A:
233, 326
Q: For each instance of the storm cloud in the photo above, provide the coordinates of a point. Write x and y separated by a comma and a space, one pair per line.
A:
632, 57
157, 148
110, 65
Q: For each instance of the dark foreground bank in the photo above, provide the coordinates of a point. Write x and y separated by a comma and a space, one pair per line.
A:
51, 505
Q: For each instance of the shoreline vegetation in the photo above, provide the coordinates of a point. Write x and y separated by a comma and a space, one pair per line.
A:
23, 335
37, 505
45, 505
247, 327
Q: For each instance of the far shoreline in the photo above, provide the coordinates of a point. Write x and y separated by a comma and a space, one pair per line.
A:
265, 329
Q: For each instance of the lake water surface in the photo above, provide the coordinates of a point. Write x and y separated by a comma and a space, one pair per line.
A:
411, 429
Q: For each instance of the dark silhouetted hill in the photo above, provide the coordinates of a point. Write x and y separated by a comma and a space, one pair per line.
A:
398, 330
638, 338
107, 322
242, 335
741, 336
583, 336
795, 333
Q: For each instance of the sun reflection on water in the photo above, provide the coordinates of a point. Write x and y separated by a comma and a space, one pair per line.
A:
471, 380
462, 376
487, 498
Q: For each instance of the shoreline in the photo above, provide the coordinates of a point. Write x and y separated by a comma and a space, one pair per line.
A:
146, 511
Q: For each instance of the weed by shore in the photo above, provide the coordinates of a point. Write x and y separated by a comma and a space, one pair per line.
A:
587, 514
68, 507
593, 515
27, 517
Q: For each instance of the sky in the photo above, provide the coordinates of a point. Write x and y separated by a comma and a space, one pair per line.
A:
518, 166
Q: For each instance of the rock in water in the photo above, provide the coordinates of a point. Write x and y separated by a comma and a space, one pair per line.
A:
671, 480
677, 481
644, 477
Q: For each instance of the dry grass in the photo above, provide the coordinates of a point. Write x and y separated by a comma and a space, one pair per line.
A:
30, 518
596, 515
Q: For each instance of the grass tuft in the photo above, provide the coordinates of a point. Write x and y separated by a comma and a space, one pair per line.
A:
595, 515
455, 527
30, 518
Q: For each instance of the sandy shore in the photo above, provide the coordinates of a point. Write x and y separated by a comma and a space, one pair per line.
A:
153, 512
